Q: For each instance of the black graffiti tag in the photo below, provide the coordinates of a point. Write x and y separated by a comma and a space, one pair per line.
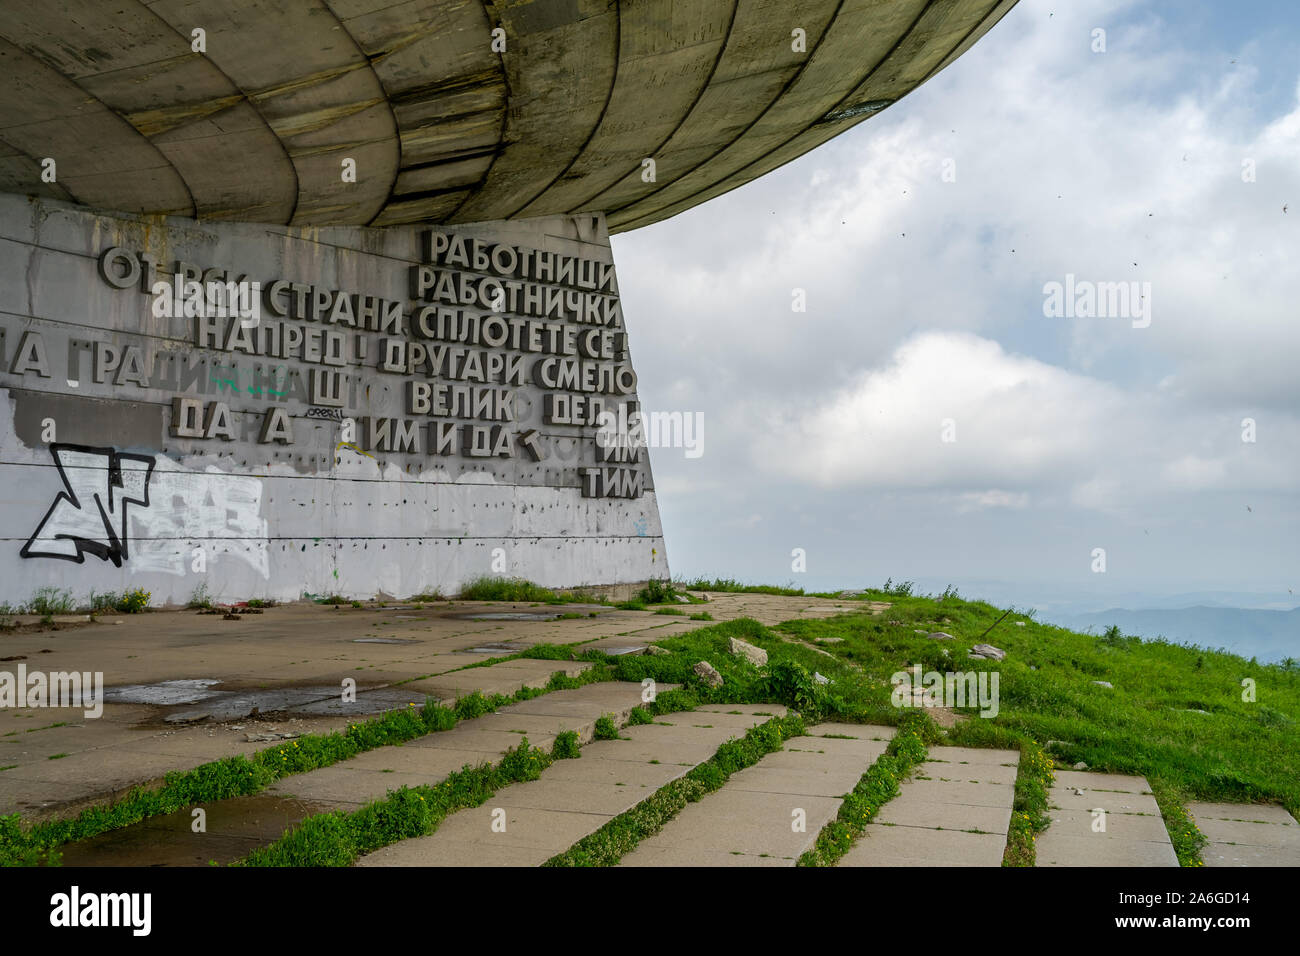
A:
89, 515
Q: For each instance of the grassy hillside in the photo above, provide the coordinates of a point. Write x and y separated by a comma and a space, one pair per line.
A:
1178, 715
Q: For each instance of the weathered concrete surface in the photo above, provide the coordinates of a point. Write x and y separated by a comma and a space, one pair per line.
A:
957, 790
444, 124
332, 512
770, 813
284, 648
573, 798
1247, 834
429, 759
1115, 821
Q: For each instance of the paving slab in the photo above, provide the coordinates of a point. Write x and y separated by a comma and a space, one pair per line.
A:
1103, 819
752, 818
645, 855
1244, 834
954, 810
909, 811
429, 759
1096, 850
882, 846
572, 799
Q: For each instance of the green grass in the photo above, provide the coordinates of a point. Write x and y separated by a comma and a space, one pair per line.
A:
1240, 751
658, 592
121, 602
565, 746
520, 591
243, 776
50, 601
876, 787
732, 586
616, 838
199, 600
339, 838
1034, 777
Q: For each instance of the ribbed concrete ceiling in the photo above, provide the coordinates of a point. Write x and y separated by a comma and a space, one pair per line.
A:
440, 126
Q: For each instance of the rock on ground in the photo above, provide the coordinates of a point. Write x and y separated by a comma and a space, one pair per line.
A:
755, 655
987, 652
709, 674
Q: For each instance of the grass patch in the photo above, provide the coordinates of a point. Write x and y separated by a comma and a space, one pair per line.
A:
50, 601
1029, 817
1240, 751
638, 716
122, 602
200, 599
339, 838
620, 835
732, 586
1186, 836
520, 591
873, 790
565, 746
658, 592
606, 729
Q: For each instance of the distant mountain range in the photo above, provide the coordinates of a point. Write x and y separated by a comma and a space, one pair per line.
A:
1269, 635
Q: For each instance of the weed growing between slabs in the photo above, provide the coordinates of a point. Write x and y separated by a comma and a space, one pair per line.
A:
1186, 836
1029, 810
874, 789
786, 681
243, 776
339, 838
620, 835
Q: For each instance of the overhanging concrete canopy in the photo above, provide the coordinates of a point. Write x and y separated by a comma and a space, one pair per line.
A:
441, 126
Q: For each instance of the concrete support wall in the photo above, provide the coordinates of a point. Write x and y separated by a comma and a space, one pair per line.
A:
264, 486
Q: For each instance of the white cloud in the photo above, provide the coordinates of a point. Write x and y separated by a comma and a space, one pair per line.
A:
925, 298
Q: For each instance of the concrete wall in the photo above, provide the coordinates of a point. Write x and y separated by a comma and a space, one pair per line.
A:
98, 491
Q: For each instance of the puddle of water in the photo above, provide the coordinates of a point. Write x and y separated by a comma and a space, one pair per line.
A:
630, 649
509, 616
367, 702
501, 647
234, 828
227, 705
189, 701
165, 693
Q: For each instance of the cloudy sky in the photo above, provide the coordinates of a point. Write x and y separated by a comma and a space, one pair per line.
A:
825, 429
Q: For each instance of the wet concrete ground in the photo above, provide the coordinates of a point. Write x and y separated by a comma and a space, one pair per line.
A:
187, 688
233, 828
